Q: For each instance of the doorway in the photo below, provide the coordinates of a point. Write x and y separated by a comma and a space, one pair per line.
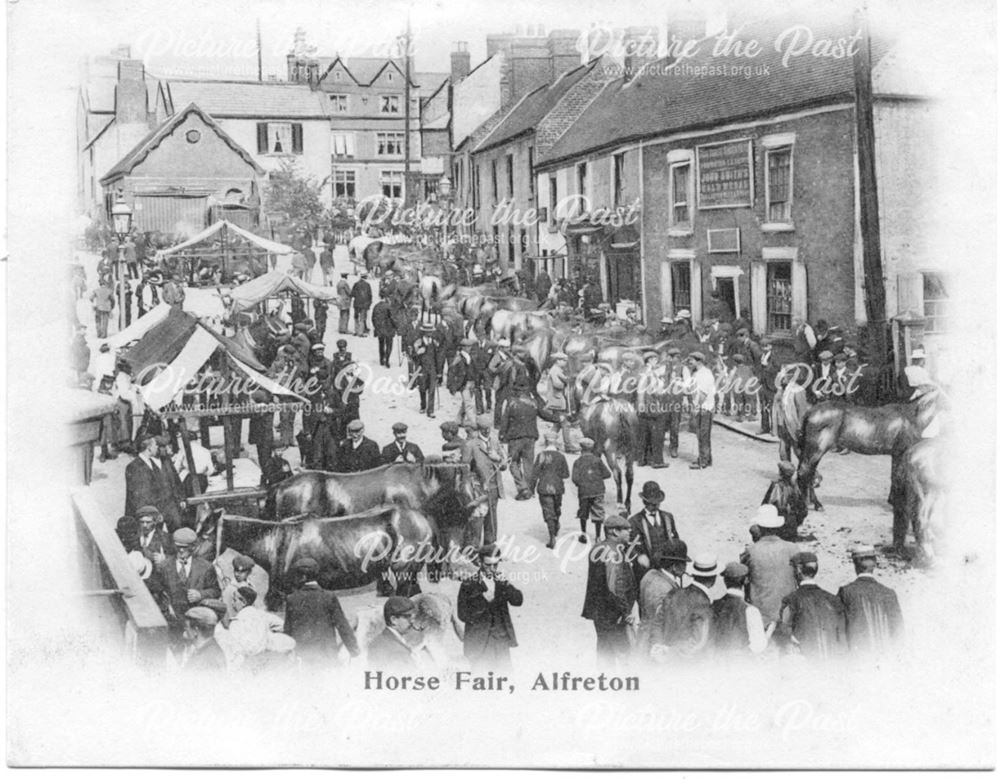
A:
726, 287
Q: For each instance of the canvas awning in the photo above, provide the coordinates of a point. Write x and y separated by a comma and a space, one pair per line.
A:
271, 247
173, 352
275, 282
139, 327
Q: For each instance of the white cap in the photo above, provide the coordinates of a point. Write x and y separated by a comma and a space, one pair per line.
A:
918, 354
767, 516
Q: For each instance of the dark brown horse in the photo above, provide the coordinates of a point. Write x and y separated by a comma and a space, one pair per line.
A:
889, 429
352, 551
611, 423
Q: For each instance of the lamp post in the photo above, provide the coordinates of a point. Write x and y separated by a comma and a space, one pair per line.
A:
444, 190
121, 219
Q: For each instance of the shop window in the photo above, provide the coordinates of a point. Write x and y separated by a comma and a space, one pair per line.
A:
779, 296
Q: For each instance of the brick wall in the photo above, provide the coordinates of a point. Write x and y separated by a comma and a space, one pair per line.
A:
822, 213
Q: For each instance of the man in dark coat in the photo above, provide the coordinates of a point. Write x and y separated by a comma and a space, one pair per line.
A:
651, 410
737, 626
812, 620
548, 479
666, 575
356, 452
384, 330
202, 653
187, 580
321, 312
150, 480
401, 450
543, 283
784, 494
688, 615
153, 541
651, 528
326, 265
519, 430
340, 359
873, 617
314, 617
483, 606
390, 648
361, 295
462, 380
425, 358
611, 591
766, 371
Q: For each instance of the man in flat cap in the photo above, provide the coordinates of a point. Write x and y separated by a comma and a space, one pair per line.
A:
202, 653
485, 464
187, 580
154, 542
548, 476
823, 380
677, 378
519, 431
589, 474
766, 371
384, 329
401, 450
812, 620
314, 617
340, 359
703, 401
874, 621
361, 295
462, 380
483, 602
399, 643
611, 591
246, 573
736, 625
357, 452
785, 495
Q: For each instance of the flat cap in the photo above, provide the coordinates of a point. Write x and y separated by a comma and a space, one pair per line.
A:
559, 356
396, 606
616, 521
739, 358
202, 615
147, 511
449, 426
697, 356
301, 327
586, 443
355, 425
399, 427
317, 347
826, 354
673, 351
803, 558
306, 565
683, 314
735, 571
184, 536
484, 421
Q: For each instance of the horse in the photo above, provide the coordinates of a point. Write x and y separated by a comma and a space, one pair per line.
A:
889, 429
352, 551
505, 323
611, 423
925, 488
441, 489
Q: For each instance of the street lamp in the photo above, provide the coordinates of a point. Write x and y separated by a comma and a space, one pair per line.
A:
444, 190
121, 220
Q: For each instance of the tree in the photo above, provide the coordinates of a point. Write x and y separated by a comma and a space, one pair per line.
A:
294, 199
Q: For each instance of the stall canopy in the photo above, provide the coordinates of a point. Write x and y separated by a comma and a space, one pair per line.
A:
271, 247
173, 352
273, 284
140, 326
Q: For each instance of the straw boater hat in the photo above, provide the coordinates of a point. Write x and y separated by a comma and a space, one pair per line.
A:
705, 564
767, 516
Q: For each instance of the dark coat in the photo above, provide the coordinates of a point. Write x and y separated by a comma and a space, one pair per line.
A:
159, 543
542, 285
460, 373
874, 619
144, 487
365, 457
323, 449
639, 532
611, 589
411, 453
361, 294
382, 320
483, 617
209, 657
815, 618
202, 578
687, 615
387, 651
729, 624
589, 473
549, 473
519, 419
426, 356
261, 429
313, 617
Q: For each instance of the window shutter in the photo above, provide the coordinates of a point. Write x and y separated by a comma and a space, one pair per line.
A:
758, 296
799, 290
350, 144
666, 290
695, 291
262, 137
296, 138
910, 292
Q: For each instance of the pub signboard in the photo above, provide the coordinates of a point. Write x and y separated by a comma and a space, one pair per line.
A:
725, 174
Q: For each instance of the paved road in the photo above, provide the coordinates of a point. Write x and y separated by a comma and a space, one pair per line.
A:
712, 508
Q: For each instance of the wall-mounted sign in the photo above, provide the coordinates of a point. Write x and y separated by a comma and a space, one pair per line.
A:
724, 241
725, 174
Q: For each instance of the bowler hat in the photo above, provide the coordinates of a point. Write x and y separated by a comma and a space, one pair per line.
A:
397, 606
674, 550
651, 492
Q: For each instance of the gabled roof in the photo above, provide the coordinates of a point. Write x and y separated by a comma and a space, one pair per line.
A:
143, 149
532, 108
702, 92
249, 99
431, 83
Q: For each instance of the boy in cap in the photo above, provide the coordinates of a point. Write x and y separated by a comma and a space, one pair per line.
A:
737, 626
812, 620
519, 430
401, 450
548, 475
589, 473
611, 591
874, 621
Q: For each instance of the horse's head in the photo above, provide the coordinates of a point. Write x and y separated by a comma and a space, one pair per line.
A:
206, 528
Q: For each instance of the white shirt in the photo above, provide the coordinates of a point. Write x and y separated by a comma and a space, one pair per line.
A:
202, 460
704, 388
755, 624
491, 587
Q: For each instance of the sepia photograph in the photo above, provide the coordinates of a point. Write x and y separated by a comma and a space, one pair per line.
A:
425, 384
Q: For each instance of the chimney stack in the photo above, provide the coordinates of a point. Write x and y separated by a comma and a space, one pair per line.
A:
461, 62
130, 93
640, 47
